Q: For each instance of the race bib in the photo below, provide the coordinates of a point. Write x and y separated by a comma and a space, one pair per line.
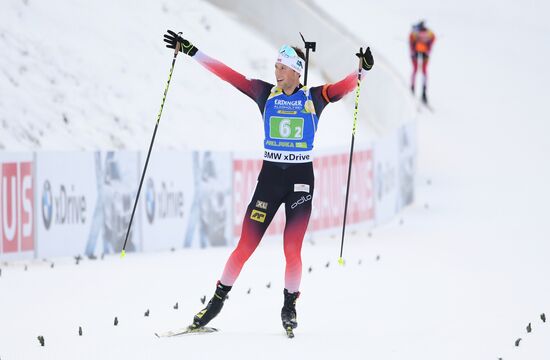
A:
286, 128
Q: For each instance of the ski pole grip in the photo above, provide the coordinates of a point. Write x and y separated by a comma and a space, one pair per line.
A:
178, 46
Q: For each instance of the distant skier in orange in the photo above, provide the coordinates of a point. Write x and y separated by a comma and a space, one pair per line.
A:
421, 40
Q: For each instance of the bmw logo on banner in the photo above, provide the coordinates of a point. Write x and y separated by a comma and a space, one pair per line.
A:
150, 200
47, 205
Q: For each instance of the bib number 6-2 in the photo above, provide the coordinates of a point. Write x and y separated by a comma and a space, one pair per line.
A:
286, 128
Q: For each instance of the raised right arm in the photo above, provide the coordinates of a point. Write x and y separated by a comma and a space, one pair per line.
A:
255, 89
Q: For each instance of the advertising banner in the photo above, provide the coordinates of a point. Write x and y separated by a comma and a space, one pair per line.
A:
210, 220
17, 206
329, 194
166, 199
330, 190
66, 193
117, 175
386, 168
407, 163
86, 199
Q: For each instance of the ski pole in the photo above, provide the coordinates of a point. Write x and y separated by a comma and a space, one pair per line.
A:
357, 92
308, 45
176, 51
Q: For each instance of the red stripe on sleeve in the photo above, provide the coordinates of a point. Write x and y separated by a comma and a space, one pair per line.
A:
226, 73
336, 91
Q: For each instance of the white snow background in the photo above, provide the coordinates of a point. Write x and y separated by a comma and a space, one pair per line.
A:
459, 275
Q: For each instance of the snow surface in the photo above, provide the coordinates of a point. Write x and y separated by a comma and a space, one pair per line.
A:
460, 275
91, 74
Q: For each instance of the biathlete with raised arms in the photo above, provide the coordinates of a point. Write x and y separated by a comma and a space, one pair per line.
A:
290, 113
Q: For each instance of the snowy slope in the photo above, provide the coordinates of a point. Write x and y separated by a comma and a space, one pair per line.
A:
485, 152
67, 82
460, 277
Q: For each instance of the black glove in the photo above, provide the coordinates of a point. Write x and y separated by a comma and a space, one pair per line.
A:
171, 38
366, 57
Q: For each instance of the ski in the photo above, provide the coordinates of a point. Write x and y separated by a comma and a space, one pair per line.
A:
428, 106
289, 332
422, 107
187, 331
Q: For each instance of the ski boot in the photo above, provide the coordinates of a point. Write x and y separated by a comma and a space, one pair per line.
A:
424, 96
213, 307
288, 312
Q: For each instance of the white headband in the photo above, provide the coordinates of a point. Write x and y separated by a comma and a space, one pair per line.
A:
289, 57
